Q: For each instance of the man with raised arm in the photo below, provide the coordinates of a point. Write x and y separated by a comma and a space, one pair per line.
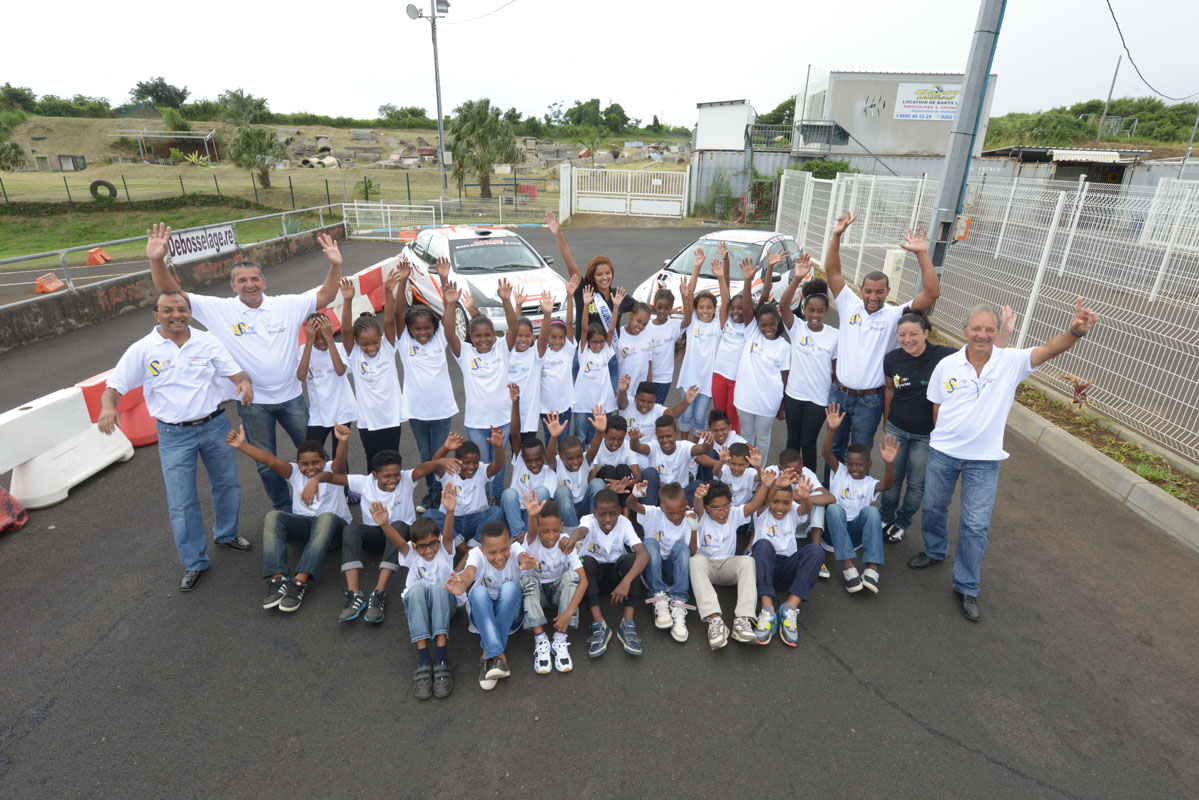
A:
972, 392
182, 370
866, 332
261, 332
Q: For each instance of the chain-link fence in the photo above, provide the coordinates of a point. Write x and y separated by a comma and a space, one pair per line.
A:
1131, 253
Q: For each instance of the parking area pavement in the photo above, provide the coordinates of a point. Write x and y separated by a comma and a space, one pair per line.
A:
1080, 682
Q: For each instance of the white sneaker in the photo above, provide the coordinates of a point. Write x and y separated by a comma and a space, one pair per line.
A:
661, 605
743, 630
678, 619
562, 661
718, 635
541, 656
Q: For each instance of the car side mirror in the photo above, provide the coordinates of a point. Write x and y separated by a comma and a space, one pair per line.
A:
548, 259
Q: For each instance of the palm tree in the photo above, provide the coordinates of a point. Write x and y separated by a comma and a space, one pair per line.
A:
251, 148
591, 138
479, 138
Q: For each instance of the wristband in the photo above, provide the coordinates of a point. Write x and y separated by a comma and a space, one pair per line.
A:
1075, 335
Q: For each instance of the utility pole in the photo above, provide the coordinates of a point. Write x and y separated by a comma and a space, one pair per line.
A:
965, 129
436, 7
1182, 167
1108, 104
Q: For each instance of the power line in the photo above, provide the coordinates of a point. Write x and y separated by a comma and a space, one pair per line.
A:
1134, 63
474, 19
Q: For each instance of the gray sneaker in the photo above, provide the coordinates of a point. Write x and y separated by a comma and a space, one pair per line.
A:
485, 683
274, 592
443, 680
293, 597
374, 607
718, 634
422, 682
355, 602
743, 630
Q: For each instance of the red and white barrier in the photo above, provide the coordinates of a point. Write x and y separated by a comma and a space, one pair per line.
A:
136, 422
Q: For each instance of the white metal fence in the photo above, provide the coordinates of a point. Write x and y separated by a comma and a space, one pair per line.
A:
1131, 253
629, 192
384, 221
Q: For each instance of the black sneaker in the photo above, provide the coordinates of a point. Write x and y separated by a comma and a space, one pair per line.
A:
485, 666
422, 682
237, 543
374, 607
443, 680
893, 534
274, 592
293, 597
498, 669
355, 602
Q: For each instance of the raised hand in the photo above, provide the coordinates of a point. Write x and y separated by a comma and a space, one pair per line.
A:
496, 439
547, 302
888, 448
768, 478
346, 287
453, 442
785, 478
455, 583
526, 561
380, 513
513, 392
723, 456
624, 383
329, 248
518, 298
722, 252
504, 289
619, 485
236, 438
776, 258
531, 503
804, 264
843, 222
403, 269
443, 269
393, 281
834, 416
449, 497
599, 419
755, 458
158, 241
634, 434
450, 294
639, 489
618, 296
701, 492
747, 268
1007, 319
718, 268
691, 393
341, 432
451, 466
572, 284
588, 296
551, 222
803, 489
1084, 319
914, 242
706, 439
554, 425
699, 257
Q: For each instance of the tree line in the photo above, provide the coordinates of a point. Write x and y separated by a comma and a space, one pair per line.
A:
1062, 126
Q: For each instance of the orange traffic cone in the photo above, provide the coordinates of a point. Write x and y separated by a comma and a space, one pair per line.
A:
96, 256
48, 283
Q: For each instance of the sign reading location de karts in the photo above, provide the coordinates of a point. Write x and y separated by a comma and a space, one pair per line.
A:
198, 243
927, 101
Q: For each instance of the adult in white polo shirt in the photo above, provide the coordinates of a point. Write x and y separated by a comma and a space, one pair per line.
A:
261, 332
972, 392
865, 334
184, 373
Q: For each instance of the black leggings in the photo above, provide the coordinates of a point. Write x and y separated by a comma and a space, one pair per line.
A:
382, 439
804, 421
603, 578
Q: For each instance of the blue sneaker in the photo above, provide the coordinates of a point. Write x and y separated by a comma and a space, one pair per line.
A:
789, 630
626, 632
597, 642
767, 625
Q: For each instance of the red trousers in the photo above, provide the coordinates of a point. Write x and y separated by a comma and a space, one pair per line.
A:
722, 398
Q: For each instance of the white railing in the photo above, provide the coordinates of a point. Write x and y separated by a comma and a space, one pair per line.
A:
1132, 253
629, 192
385, 221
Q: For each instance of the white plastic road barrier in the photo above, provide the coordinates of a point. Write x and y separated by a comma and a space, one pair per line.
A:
51, 445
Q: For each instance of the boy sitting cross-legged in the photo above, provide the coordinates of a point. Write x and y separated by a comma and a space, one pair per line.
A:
429, 605
552, 577
315, 525
715, 541
668, 462
613, 559
669, 543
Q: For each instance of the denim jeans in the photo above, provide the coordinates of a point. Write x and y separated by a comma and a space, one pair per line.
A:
573, 511
910, 464
260, 420
514, 511
865, 531
676, 564
660, 392
794, 574
178, 447
537, 596
695, 418
487, 454
564, 418
979, 482
584, 430
466, 526
756, 429
495, 619
317, 535
430, 436
429, 610
862, 415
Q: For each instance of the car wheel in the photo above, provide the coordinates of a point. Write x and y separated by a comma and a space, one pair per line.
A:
460, 323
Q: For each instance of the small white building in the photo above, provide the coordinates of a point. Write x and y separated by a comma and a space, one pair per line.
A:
721, 124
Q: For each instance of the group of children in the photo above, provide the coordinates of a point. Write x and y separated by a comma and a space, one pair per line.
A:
641, 503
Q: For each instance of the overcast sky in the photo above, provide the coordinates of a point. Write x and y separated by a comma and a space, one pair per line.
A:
654, 57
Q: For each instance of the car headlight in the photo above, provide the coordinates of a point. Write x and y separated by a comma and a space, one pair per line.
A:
493, 311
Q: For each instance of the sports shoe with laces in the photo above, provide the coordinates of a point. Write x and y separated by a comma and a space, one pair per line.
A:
893, 533
743, 630
766, 625
678, 620
626, 632
274, 592
541, 656
486, 683
661, 604
718, 634
562, 660
294, 596
597, 642
374, 606
824, 573
355, 602
789, 629
498, 669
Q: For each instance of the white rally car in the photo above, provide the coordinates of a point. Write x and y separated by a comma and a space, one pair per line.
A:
479, 257
757, 245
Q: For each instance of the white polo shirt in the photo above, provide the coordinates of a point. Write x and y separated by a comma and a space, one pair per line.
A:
180, 384
262, 339
863, 339
607, 548
974, 406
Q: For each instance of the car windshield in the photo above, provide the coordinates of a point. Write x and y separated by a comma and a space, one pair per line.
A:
685, 261
506, 254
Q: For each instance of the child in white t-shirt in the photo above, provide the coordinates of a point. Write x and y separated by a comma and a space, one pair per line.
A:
490, 582
612, 460
643, 413
669, 544
323, 370
663, 334
723, 436
428, 604
525, 355
470, 488
701, 332
740, 466
852, 521
576, 487
633, 349
553, 577
669, 461
530, 473
557, 380
593, 382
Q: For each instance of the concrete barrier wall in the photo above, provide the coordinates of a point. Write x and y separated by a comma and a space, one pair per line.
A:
52, 314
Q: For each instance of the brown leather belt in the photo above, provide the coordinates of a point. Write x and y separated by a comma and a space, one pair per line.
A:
858, 392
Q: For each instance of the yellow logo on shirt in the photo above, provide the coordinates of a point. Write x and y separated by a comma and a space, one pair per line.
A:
156, 367
659, 535
476, 363
593, 548
855, 318
240, 329
422, 573
541, 567
363, 368
590, 367
951, 385
772, 531
805, 341
706, 540
845, 493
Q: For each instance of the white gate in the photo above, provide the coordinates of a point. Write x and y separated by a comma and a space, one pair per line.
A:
636, 193
384, 221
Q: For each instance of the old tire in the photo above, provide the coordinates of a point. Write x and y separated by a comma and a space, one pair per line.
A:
110, 191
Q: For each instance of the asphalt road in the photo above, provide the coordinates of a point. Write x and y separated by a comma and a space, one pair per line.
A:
1080, 682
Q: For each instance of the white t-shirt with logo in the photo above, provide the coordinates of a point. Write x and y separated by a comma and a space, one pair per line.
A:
779, 532
377, 387
671, 467
428, 393
551, 561
812, 354
863, 339
557, 384
743, 485
432, 574
330, 396
575, 481
728, 352
607, 548
853, 494
760, 374
593, 384
485, 383
263, 339
643, 423
662, 338
397, 501
634, 354
974, 407
525, 481
703, 339
330, 498
179, 384
715, 540
813, 482
614, 458
661, 531
489, 576
524, 369
472, 491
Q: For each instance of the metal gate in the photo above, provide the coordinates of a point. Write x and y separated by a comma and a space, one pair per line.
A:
635, 193
384, 222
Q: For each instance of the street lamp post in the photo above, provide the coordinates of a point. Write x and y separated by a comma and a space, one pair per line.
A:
437, 10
